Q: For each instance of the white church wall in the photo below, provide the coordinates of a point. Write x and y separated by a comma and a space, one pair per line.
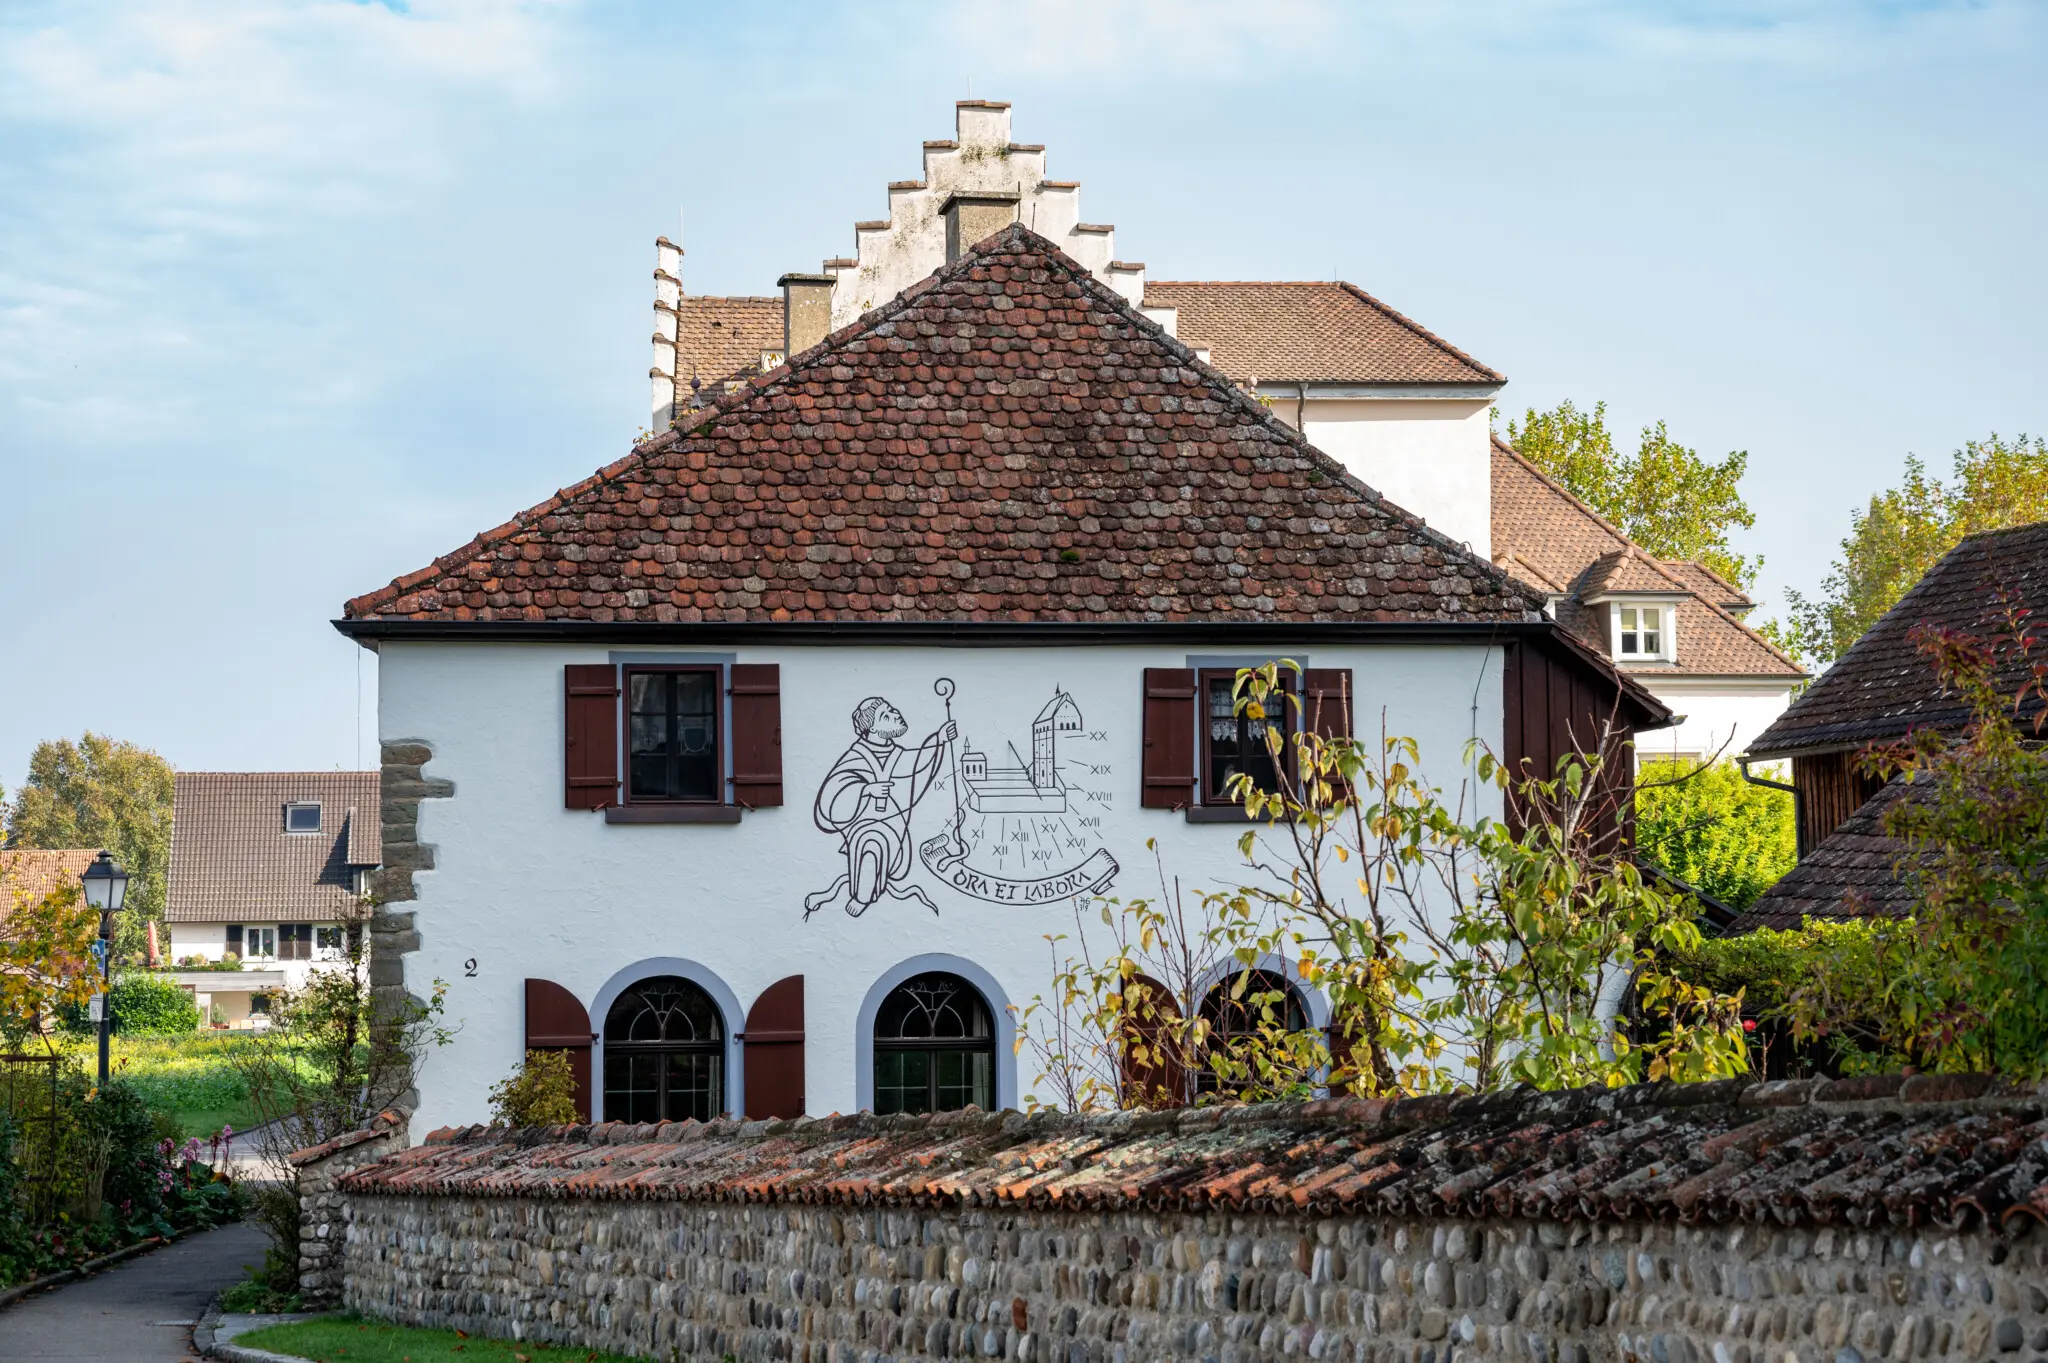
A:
523, 887
1427, 456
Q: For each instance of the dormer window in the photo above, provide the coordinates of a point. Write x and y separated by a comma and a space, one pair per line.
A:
302, 818
1640, 631
771, 358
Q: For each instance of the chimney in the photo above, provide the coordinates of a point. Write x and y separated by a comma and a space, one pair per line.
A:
974, 215
806, 311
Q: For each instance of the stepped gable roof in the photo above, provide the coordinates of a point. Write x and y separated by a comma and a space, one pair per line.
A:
1852, 873
1884, 686
1550, 536
232, 859
1955, 1151
717, 338
1008, 440
1310, 331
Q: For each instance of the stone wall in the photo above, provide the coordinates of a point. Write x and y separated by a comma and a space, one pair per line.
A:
323, 1209
755, 1281
1893, 1217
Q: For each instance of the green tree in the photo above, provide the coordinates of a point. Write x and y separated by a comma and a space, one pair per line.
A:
1997, 483
1665, 497
1712, 829
102, 792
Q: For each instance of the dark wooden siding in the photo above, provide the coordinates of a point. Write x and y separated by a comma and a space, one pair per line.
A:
1556, 705
1830, 788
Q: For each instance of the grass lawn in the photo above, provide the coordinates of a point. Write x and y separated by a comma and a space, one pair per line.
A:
192, 1078
360, 1339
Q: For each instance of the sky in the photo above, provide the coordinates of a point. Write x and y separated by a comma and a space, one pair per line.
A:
295, 297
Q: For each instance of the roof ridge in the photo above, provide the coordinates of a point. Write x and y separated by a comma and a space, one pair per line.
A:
700, 420
1579, 503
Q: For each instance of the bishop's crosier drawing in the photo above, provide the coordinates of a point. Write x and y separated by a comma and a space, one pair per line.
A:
1021, 831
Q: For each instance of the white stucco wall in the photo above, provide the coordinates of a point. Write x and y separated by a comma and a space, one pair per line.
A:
523, 887
210, 940
1427, 456
1721, 715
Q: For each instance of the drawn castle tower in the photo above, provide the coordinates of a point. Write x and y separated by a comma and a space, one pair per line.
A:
1060, 716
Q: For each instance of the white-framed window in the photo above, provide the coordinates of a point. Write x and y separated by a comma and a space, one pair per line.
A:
1641, 631
771, 358
327, 942
258, 942
302, 818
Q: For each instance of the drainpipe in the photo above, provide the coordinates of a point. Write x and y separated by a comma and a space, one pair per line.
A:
1798, 805
1301, 408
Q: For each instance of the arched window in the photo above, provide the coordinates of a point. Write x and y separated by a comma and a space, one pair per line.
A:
664, 1054
1236, 1021
935, 1047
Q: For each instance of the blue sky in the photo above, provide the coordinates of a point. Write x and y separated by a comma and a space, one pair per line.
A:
295, 297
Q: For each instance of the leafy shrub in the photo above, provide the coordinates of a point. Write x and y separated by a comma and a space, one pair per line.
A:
145, 1004
541, 1092
1713, 829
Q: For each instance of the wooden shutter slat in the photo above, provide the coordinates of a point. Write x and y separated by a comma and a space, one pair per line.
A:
756, 694
1328, 706
557, 1021
775, 1051
590, 735
1169, 726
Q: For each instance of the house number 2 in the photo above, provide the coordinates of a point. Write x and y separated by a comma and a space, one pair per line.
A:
469, 967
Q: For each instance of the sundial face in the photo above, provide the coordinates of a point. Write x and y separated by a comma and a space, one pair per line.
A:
998, 807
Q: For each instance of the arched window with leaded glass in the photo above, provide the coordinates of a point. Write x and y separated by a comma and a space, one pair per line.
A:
1237, 1018
935, 1048
664, 1054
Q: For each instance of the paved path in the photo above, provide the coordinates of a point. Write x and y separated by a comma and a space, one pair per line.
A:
140, 1311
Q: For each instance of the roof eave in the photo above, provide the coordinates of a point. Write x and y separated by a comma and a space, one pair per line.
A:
945, 633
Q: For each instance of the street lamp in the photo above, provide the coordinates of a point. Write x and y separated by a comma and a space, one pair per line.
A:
106, 885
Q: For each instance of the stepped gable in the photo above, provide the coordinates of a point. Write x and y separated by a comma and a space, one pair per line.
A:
1310, 331
1884, 686
1946, 1150
1852, 873
1009, 440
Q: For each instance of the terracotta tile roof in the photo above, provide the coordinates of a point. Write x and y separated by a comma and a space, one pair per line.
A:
1554, 538
1708, 585
1941, 1150
232, 860
1859, 859
34, 871
1008, 440
1626, 570
1883, 686
1309, 331
716, 338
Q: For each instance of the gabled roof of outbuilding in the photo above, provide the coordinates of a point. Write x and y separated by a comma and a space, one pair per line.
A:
231, 858
1854, 872
1008, 440
1310, 331
1883, 686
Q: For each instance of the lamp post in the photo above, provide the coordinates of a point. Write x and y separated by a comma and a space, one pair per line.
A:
106, 885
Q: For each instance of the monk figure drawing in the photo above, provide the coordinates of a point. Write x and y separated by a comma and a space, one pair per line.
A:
867, 799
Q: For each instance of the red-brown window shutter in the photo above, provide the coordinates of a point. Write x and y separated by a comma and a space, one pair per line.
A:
555, 1021
1158, 1078
775, 1051
1328, 704
590, 729
756, 734
1169, 760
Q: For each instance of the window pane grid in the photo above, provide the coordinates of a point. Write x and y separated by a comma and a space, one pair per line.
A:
672, 724
1233, 742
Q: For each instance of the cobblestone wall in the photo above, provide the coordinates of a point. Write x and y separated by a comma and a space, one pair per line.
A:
708, 1280
323, 1209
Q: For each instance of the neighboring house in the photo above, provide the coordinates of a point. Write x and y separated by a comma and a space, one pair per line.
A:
266, 868
1882, 689
1402, 409
30, 873
1675, 626
753, 770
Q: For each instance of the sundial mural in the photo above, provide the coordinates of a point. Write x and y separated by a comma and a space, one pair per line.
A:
992, 823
